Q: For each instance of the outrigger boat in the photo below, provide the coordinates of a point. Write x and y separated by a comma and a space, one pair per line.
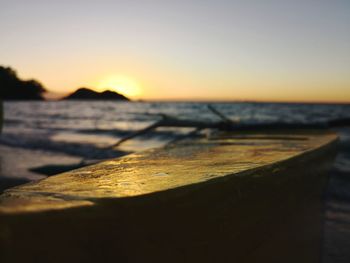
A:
243, 196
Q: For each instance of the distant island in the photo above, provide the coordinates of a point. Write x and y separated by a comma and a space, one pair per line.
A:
13, 88
88, 94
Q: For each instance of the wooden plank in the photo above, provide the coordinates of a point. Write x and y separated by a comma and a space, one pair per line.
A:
220, 199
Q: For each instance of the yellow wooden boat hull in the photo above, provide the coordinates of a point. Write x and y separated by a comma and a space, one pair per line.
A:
235, 197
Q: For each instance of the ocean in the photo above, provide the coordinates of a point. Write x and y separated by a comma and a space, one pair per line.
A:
68, 132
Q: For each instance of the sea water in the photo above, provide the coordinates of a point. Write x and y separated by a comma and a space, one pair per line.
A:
82, 128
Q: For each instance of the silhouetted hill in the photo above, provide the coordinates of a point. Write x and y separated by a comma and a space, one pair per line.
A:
88, 94
13, 88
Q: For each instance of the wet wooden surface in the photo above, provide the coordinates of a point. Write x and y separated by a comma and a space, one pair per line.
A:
162, 169
244, 197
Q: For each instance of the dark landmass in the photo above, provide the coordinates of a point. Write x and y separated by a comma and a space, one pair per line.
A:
88, 94
13, 88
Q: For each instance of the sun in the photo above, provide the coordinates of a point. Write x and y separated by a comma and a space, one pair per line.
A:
121, 84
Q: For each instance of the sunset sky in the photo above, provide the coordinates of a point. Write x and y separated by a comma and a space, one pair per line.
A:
182, 50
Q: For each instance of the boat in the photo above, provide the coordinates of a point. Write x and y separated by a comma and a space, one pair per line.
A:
244, 196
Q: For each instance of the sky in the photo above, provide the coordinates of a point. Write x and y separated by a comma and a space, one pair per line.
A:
182, 50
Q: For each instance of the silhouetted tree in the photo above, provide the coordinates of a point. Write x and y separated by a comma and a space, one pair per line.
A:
13, 88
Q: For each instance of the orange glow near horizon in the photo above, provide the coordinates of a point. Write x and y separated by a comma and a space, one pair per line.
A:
156, 83
120, 83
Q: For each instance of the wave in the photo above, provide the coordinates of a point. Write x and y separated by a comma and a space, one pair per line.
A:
86, 151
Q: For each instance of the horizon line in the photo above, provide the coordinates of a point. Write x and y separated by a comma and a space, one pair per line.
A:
189, 100
207, 100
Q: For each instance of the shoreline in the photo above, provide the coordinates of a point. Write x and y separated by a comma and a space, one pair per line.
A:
15, 161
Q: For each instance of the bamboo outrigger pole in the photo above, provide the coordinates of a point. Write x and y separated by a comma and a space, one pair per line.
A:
228, 125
